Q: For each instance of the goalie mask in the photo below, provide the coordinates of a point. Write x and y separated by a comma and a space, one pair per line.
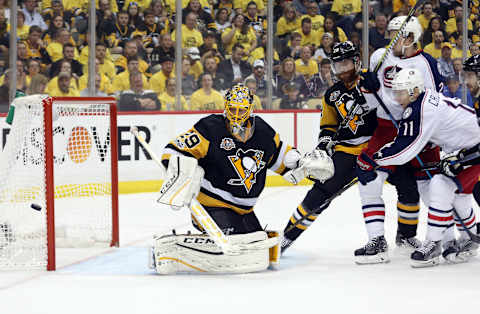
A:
346, 62
239, 112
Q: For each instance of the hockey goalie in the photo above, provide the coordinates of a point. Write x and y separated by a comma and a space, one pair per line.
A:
218, 169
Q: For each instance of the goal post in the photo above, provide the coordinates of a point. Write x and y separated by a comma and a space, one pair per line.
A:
58, 179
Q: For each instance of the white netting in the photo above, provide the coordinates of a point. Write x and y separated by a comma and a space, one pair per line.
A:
82, 177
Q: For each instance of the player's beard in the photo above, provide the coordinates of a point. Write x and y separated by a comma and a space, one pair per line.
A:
348, 78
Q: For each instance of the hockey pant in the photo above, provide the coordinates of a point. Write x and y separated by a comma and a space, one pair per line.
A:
315, 198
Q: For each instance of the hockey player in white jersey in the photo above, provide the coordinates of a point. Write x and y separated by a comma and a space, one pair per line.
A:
430, 117
405, 54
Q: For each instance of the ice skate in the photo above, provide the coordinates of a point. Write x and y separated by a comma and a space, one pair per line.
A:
406, 245
374, 252
427, 255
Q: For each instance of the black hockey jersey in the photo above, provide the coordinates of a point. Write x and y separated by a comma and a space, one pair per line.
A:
235, 172
357, 131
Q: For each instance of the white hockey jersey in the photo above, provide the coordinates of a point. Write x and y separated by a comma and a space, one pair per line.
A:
422, 61
432, 118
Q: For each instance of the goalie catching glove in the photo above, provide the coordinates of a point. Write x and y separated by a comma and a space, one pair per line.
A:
182, 182
318, 165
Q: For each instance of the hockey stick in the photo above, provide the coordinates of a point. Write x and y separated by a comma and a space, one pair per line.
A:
204, 219
327, 201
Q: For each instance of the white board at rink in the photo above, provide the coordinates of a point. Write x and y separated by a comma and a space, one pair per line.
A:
138, 173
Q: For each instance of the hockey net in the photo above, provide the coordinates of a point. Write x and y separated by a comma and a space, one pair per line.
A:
58, 180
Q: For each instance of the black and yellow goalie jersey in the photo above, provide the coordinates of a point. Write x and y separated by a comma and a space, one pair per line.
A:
354, 133
235, 172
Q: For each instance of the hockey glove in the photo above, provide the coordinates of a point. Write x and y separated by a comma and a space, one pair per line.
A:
451, 166
366, 168
327, 144
369, 81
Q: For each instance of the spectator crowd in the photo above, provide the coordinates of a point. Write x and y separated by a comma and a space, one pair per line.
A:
223, 43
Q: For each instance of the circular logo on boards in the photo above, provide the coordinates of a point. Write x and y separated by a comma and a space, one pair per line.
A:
79, 145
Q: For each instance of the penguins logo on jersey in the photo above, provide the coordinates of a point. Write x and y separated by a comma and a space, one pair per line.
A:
389, 74
344, 104
246, 164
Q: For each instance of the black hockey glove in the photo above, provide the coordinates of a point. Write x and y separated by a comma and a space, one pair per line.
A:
327, 144
451, 166
369, 81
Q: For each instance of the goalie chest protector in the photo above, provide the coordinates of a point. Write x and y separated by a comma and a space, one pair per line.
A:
235, 172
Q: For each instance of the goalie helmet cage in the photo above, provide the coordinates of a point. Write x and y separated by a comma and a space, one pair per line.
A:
59, 179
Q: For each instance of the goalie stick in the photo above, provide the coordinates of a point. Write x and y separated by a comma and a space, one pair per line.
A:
204, 219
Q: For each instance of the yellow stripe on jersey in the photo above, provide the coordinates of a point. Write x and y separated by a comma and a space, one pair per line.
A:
209, 201
352, 150
192, 142
329, 120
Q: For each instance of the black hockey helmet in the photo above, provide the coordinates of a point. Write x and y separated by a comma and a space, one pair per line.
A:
472, 64
344, 50
343, 69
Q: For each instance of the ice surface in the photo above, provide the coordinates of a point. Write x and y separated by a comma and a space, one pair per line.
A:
317, 274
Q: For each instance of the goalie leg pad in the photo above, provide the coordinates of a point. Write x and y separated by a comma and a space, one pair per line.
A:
199, 253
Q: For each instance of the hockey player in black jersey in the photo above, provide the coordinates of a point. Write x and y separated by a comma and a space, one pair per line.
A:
471, 68
342, 140
230, 154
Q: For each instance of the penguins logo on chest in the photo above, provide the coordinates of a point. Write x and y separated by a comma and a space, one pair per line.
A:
246, 164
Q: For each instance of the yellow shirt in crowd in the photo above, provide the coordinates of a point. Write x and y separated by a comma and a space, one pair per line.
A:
431, 50
168, 102
317, 21
242, 4
311, 39
190, 37
346, 7
202, 101
308, 69
245, 40
451, 25
425, 21
142, 65
158, 82
105, 85
121, 82
52, 85
286, 27
458, 53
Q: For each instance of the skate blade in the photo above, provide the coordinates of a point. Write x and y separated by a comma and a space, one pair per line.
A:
372, 259
421, 264
462, 257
